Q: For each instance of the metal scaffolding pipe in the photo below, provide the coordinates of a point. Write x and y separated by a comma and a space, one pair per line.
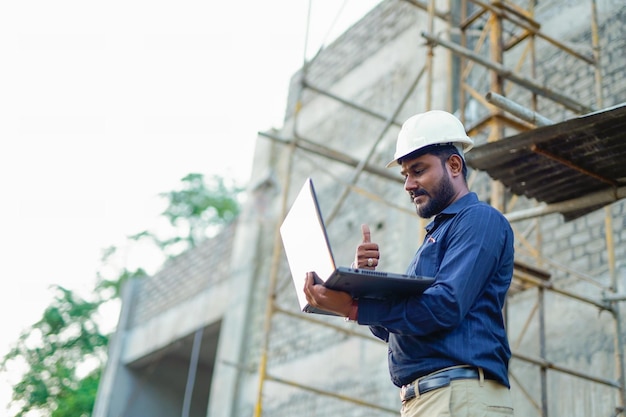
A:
330, 394
550, 286
543, 368
421, 5
348, 103
549, 365
509, 75
191, 375
517, 109
607, 196
533, 27
617, 317
271, 291
321, 150
309, 318
614, 297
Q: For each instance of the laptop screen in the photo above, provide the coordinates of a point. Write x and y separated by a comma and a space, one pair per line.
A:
305, 241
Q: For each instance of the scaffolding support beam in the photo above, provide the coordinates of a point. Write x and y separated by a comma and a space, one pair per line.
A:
315, 148
573, 372
348, 103
532, 27
331, 394
511, 76
517, 109
599, 198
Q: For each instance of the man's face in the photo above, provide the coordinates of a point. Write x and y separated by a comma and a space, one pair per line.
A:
428, 183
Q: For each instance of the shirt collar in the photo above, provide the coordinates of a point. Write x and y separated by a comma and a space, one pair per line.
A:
463, 202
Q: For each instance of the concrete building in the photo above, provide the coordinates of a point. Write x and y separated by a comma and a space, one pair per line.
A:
217, 331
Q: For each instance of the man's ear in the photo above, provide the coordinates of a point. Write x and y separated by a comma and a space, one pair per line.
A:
455, 165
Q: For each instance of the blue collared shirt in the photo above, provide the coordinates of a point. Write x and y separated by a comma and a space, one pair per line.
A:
468, 249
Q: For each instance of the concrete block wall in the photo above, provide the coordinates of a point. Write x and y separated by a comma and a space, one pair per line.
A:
184, 277
613, 55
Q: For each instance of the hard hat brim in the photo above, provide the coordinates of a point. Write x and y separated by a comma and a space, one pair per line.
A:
463, 146
393, 163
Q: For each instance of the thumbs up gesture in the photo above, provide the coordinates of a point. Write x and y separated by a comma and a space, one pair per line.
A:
367, 254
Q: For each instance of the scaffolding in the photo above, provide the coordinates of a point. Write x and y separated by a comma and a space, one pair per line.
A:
481, 36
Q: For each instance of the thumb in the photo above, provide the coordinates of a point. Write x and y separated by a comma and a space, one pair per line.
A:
365, 230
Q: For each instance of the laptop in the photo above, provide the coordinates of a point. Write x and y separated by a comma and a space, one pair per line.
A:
307, 249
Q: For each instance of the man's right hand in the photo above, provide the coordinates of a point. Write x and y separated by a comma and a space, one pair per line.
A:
367, 254
318, 296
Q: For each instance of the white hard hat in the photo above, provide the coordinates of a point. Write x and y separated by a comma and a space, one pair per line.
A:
430, 128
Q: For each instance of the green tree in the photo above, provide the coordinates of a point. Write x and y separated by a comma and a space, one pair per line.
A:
66, 335
196, 212
64, 353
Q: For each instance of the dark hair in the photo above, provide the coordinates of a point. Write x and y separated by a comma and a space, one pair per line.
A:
442, 151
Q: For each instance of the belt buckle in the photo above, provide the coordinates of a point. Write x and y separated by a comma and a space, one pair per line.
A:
403, 391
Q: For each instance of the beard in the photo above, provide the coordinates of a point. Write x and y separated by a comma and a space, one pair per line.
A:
438, 199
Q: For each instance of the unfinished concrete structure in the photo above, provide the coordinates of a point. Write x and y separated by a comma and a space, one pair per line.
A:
218, 332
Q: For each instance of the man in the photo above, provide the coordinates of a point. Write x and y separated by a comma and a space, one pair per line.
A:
448, 349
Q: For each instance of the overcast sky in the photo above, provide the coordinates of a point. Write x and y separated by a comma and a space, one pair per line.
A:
104, 105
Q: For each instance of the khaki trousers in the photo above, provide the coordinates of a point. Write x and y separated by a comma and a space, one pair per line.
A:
462, 398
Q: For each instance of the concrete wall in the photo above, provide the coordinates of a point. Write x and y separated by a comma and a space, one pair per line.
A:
150, 352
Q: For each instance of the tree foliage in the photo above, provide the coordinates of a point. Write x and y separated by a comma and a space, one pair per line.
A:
66, 335
64, 353
195, 212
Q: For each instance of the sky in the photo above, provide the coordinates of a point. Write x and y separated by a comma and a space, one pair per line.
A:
104, 105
